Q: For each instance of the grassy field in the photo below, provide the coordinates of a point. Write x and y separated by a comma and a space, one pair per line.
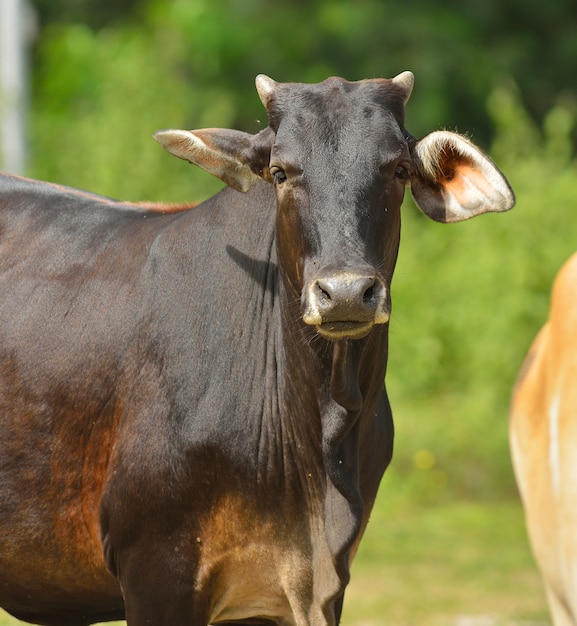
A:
446, 544
451, 564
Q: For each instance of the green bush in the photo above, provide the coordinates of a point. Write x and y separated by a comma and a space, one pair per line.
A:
99, 98
468, 300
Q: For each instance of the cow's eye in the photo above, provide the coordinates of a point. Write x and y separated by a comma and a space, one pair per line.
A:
402, 172
279, 175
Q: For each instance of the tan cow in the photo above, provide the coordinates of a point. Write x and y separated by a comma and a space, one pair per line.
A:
543, 435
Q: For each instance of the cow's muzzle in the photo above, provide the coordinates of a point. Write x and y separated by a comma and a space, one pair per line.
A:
345, 305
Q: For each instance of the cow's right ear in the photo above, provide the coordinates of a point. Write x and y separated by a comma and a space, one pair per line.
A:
453, 180
239, 159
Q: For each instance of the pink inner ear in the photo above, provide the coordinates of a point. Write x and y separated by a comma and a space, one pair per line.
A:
454, 180
466, 185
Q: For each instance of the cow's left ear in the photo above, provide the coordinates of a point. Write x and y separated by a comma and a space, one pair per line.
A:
238, 159
453, 180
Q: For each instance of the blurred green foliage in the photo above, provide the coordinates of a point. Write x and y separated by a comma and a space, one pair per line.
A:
468, 298
457, 48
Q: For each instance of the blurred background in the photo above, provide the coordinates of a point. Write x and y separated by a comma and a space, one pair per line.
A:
446, 544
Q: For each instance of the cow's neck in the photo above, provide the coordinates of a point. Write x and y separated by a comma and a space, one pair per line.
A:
341, 411
327, 375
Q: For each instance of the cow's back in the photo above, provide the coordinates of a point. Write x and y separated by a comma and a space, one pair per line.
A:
543, 433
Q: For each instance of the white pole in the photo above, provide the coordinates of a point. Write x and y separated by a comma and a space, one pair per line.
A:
17, 27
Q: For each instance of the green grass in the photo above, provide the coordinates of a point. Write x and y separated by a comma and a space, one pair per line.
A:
451, 564
446, 544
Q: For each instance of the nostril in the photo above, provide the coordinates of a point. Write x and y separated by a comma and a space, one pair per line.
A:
369, 295
323, 291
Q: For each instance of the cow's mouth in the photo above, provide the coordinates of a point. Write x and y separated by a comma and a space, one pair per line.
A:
344, 330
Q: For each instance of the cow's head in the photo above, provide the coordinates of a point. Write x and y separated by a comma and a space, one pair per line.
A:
339, 157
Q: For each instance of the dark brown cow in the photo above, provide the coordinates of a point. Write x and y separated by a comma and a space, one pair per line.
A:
543, 434
193, 419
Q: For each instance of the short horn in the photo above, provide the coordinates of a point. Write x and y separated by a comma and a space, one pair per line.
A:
265, 87
405, 80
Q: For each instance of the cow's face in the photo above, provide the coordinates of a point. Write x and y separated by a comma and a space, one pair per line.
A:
339, 163
340, 158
